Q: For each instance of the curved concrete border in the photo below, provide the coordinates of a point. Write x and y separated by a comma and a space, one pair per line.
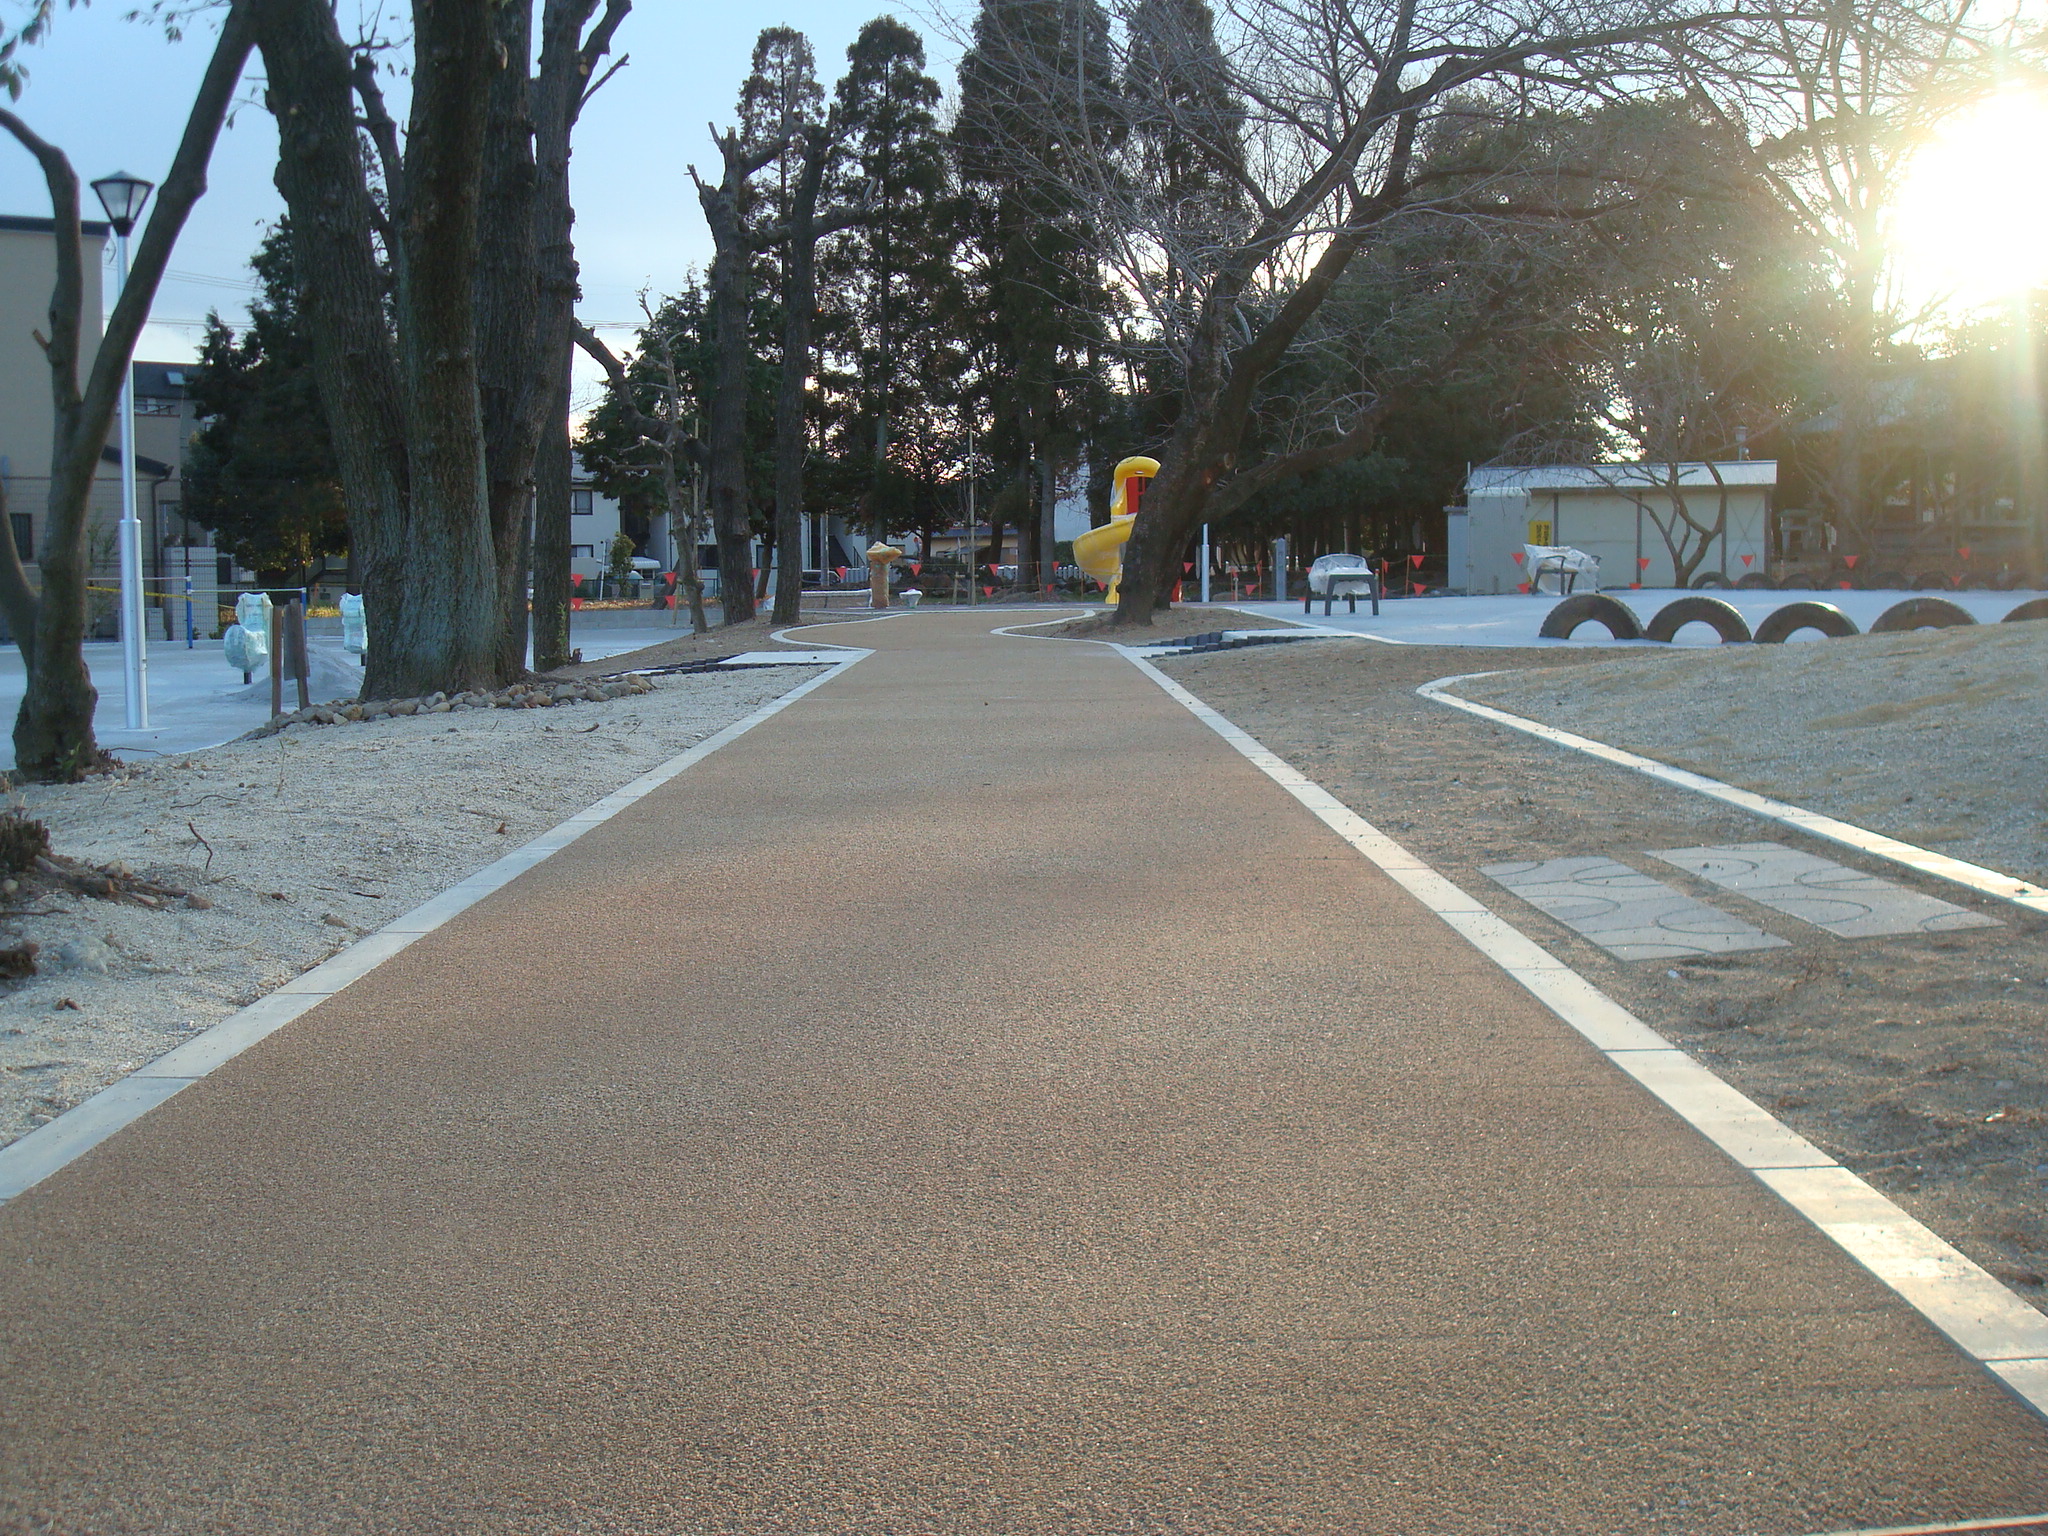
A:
31, 1159
1979, 1315
1986, 882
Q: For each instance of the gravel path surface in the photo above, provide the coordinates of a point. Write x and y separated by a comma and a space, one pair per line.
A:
297, 844
975, 1101
1934, 737
1918, 1060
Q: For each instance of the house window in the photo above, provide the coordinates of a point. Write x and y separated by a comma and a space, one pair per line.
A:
24, 526
581, 503
582, 552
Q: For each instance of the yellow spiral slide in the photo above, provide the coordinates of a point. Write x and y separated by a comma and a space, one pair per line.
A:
1100, 551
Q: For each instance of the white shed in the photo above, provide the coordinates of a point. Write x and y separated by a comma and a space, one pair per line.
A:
1621, 513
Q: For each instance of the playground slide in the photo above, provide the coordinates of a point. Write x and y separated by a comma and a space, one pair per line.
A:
1100, 551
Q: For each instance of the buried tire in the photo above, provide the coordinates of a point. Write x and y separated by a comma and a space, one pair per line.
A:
2034, 608
1783, 623
1922, 613
1730, 625
1592, 608
1713, 579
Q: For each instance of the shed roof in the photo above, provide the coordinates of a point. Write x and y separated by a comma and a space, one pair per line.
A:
1494, 479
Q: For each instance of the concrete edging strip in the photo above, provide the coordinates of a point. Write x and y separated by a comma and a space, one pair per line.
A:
1987, 882
29, 1160
1968, 1304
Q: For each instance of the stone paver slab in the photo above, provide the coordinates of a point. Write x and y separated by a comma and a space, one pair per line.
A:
1626, 912
1846, 902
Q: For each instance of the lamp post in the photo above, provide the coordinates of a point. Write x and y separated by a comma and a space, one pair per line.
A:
123, 196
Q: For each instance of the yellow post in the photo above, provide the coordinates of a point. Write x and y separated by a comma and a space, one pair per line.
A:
880, 557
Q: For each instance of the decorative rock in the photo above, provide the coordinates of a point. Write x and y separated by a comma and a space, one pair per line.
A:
82, 955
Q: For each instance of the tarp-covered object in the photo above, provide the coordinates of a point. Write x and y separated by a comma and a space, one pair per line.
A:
1325, 566
1555, 568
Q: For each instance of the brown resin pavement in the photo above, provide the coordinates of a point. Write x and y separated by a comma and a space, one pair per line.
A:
974, 1101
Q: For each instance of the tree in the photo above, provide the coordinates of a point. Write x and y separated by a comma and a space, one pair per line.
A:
1339, 99
1833, 144
1038, 104
438, 370
890, 309
53, 734
260, 470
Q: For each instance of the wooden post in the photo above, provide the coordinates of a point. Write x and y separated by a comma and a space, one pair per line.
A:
295, 624
271, 623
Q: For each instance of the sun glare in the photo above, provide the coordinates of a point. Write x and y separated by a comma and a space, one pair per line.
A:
1969, 227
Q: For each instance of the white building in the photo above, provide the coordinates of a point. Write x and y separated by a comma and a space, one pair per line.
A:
1626, 515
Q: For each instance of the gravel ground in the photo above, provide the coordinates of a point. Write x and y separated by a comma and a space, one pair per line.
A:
1918, 1061
1927, 737
311, 838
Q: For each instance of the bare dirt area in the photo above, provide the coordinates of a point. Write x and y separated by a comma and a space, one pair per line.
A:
291, 847
1170, 624
1930, 737
1916, 1060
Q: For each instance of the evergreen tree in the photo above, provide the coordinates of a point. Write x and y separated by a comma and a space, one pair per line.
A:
260, 472
1038, 98
887, 283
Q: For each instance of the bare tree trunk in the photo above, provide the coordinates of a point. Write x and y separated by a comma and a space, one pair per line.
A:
53, 735
727, 437
799, 305
568, 60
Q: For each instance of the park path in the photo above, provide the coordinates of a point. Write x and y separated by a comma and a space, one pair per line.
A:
973, 1101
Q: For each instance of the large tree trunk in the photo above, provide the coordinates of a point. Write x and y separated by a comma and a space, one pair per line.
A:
53, 734
515, 380
447, 631
727, 439
342, 299
562, 85
799, 304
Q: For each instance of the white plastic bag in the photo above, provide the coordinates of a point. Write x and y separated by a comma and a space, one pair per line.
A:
247, 641
355, 625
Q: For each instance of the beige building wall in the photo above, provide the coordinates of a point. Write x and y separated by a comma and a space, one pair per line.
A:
28, 272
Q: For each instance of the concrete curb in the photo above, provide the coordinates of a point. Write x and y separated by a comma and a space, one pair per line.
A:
31, 1159
1988, 1322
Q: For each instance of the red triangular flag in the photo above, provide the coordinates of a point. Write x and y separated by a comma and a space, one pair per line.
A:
1419, 588
841, 570
1746, 559
1850, 561
1845, 585
916, 566
1642, 562
1187, 565
1963, 550
575, 602
1416, 561
1635, 586
1956, 581
669, 602
575, 581
1522, 586
988, 591
995, 573
1519, 557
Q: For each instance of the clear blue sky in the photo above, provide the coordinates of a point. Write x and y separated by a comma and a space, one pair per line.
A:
113, 94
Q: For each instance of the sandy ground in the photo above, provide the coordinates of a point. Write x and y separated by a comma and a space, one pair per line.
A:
299, 844
1918, 1061
1932, 737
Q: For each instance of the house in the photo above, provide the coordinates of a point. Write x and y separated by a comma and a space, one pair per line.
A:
1638, 520
164, 420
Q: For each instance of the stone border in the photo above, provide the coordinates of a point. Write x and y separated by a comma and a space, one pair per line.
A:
31, 1159
1980, 1316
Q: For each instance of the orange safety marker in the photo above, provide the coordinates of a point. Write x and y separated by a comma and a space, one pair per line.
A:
1519, 557
1747, 559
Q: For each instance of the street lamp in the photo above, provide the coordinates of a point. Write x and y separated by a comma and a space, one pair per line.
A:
123, 197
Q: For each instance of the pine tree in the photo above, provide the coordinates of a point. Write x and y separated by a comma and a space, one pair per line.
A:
260, 472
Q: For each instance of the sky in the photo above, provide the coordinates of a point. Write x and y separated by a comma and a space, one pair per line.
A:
113, 94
